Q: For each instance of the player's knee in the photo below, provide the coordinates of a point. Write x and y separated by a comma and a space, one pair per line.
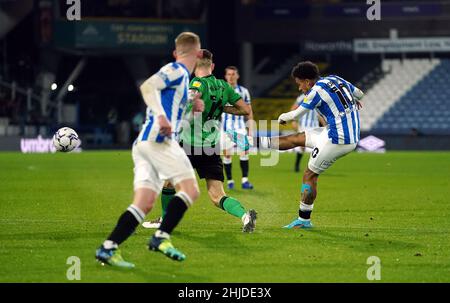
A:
193, 193
190, 188
144, 199
144, 205
146, 208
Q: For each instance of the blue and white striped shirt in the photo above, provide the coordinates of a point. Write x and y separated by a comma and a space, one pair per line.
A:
310, 119
230, 121
333, 97
174, 97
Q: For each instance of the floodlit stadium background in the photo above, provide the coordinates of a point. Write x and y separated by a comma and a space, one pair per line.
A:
85, 74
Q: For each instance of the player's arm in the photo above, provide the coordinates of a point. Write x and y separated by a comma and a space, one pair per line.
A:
309, 103
293, 115
281, 143
195, 103
238, 105
239, 108
151, 93
294, 122
358, 94
249, 117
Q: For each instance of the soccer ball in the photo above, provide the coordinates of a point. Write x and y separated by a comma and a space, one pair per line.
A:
66, 139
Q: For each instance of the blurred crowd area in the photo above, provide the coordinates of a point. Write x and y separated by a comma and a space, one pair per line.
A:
105, 101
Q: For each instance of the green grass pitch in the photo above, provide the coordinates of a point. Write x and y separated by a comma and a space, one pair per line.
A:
395, 206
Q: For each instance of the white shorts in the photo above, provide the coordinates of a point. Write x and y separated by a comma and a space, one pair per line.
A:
155, 163
324, 152
225, 141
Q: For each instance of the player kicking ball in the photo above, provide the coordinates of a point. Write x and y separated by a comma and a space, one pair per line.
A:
335, 99
157, 157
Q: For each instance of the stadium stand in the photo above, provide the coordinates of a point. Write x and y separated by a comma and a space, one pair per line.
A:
403, 97
410, 97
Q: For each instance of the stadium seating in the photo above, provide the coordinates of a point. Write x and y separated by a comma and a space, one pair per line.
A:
411, 95
400, 77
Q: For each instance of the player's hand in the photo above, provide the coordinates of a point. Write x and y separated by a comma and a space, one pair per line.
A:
359, 105
165, 128
283, 118
197, 103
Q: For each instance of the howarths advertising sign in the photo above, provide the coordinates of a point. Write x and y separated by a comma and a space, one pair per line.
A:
340, 46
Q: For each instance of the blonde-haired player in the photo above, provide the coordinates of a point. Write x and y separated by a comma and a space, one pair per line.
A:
157, 156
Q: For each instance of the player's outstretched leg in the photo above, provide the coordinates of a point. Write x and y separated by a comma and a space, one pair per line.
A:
280, 143
187, 193
308, 195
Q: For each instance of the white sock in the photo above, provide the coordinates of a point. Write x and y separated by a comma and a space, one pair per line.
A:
227, 160
306, 207
244, 217
244, 179
137, 213
230, 181
162, 234
108, 244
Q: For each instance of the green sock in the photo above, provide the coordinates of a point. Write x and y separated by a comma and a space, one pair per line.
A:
232, 206
166, 195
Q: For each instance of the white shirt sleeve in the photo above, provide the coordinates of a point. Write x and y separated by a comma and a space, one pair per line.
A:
151, 89
358, 94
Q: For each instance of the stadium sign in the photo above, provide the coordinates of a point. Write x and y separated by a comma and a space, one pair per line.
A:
36, 145
39, 145
402, 45
117, 35
371, 144
340, 46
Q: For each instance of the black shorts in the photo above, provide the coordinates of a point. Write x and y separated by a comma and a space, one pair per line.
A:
208, 164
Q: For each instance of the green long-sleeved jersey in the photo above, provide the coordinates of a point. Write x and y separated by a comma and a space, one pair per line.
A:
216, 93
